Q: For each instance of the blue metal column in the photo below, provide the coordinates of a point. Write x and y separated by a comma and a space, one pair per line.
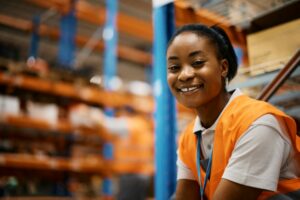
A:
35, 37
165, 113
67, 47
110, 36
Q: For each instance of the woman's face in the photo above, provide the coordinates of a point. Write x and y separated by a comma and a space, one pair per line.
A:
194, 72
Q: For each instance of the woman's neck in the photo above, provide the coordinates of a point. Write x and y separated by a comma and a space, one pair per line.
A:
209, 112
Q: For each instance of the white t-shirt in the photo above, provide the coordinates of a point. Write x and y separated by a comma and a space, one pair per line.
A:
261, 156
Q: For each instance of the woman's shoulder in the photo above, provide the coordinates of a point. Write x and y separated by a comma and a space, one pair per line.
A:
244, 105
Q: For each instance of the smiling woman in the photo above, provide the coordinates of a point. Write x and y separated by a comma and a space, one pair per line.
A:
198, 66
192, 70
226, 146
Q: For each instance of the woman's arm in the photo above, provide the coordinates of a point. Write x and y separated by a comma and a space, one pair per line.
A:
228, 190
187, 189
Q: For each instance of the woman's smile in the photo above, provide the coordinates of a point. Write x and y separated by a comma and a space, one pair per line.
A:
189, 90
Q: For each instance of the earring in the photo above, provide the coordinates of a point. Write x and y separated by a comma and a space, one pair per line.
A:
226, 82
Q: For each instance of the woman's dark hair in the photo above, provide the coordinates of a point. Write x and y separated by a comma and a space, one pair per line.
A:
219, 38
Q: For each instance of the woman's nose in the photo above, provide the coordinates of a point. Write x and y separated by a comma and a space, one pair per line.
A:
187, 72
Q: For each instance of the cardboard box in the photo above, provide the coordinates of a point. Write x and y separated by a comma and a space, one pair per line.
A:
47, 112
9, 105
270, 49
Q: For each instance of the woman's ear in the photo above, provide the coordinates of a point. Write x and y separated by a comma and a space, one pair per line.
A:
224, 67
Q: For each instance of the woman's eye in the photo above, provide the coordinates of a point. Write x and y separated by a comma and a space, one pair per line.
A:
198, 63
173, 67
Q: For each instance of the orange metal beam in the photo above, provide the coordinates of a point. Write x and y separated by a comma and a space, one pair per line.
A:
96, 15
61, 5
124, 52
20, 24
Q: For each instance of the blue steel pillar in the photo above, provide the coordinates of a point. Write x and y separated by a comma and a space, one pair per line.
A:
165, 113
35, 37
67, 47
110, 37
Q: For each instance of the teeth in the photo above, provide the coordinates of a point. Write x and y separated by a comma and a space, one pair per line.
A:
188, 89
192, 88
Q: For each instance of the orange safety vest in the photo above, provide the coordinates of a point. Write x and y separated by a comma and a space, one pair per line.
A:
134, 153
234, 121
